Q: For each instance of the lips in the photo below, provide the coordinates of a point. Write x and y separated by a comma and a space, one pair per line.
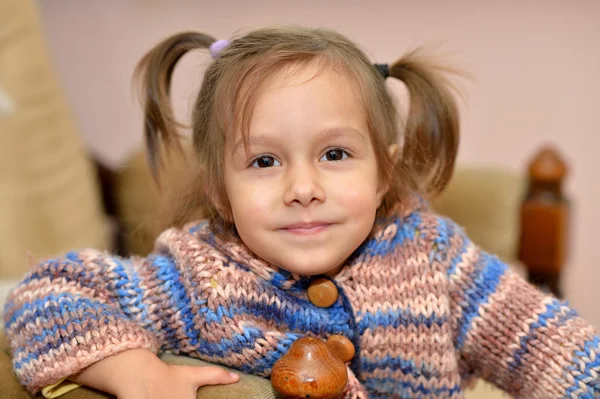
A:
310, 228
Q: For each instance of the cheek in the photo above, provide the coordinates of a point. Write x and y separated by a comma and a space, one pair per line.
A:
257, 200
358, 200
357, 191
249, 202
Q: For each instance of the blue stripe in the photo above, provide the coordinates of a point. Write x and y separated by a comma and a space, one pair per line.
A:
396, 318
458, 258
65, 307
56, 268
352, 333
552, 309
238, 342
128, 281
484, 283
195, 228
37, 306
406, 230
279, 278
264, 364
440, 240
179, 303
8, 307
447, 230
407, 366
333, 320
583, 376
71, 268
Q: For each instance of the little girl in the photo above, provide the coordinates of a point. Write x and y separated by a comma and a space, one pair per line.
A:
304, 179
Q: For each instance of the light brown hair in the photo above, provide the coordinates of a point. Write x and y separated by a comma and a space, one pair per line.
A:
428, 143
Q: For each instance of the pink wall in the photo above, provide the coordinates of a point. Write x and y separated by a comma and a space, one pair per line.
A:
536, 65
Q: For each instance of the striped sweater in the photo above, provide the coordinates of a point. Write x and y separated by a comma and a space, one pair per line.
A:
426, 309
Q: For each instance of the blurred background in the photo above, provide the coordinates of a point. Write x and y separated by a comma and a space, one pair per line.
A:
69, 119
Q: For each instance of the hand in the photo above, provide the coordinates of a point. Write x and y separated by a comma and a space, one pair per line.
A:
139, 374
178, 382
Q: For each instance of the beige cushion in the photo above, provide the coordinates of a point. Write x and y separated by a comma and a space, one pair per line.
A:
143, 206
486, 202
49, 200
484, 390
249, 386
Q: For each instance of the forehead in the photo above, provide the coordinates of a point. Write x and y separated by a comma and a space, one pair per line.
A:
315, 79
309, 97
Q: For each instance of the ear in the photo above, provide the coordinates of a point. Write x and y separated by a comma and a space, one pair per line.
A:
383, 188
225, 211
393, 150
221, 205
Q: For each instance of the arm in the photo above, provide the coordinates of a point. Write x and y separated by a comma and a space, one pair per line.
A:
131, 365
71, 312
139, 374
526, 342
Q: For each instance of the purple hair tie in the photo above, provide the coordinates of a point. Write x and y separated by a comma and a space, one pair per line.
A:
217, 48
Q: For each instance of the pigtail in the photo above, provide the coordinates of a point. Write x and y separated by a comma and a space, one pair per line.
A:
431, 132
153, 74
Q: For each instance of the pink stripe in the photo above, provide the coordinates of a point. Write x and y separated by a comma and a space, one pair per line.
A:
71, 358
459, 281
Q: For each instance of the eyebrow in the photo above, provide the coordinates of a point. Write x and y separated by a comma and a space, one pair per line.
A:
336, 132
328, 133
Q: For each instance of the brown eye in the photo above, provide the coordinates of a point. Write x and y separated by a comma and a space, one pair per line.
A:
265, 162
335, 154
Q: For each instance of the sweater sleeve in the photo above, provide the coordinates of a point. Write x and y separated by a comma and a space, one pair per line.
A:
506, 331
70, 312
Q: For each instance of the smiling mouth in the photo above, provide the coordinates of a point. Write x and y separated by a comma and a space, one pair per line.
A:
306, 229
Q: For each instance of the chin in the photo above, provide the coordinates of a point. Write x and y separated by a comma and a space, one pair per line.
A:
309, 269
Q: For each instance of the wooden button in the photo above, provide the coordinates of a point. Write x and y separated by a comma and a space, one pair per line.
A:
341, 347
322, 292
309, 370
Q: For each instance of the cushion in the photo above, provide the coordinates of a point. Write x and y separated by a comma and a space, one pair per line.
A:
486, 203
50, 201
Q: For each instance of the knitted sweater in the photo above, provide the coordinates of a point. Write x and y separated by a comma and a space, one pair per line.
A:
426, 309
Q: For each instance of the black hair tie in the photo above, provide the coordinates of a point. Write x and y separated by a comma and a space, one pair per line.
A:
383, 69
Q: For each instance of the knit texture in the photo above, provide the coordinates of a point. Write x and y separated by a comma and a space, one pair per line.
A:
426, 309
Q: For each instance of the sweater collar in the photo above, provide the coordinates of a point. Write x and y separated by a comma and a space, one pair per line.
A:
234, 249
239, 253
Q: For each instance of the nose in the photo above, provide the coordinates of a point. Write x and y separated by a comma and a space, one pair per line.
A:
303, 186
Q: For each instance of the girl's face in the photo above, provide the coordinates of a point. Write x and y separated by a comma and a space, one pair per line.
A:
305, 196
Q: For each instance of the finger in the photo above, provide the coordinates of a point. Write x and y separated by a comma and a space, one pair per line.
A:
210, 375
